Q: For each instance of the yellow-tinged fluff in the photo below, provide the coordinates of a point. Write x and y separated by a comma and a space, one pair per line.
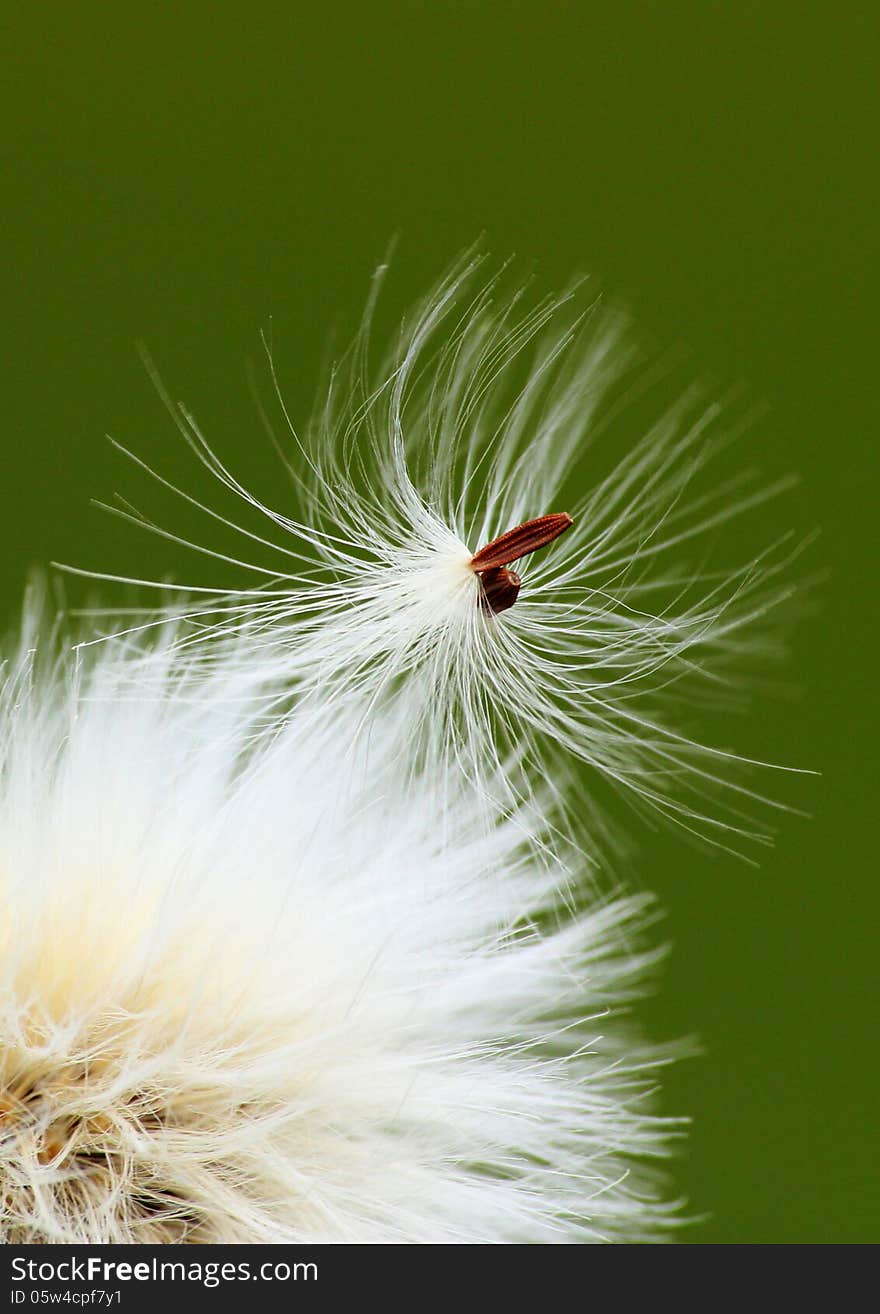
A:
250, 991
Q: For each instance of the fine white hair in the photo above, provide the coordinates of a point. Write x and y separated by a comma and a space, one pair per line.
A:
249, 992
489, 411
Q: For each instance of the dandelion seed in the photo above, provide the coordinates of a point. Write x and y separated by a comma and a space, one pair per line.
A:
365, 594
500, 589
519, 542
501, 586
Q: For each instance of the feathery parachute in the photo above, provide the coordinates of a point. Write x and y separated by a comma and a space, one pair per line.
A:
371, 587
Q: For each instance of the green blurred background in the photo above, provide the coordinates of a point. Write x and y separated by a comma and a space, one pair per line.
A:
183, 174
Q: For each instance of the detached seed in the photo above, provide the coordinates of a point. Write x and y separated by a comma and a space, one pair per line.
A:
500, 585
500, 589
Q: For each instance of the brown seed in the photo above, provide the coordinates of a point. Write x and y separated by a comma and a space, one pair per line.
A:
501, 586
500, 589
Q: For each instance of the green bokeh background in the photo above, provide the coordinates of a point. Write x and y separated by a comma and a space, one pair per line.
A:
182, 174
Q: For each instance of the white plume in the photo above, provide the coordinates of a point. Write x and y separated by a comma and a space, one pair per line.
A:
484, 416
253, 993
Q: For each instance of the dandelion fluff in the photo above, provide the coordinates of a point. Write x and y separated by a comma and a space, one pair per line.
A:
363, 583
249, 992
299, 941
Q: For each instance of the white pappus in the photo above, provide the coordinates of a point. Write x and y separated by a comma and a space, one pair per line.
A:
488, 414
253, 994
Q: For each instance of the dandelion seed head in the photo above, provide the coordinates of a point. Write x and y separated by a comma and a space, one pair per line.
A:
250, 991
